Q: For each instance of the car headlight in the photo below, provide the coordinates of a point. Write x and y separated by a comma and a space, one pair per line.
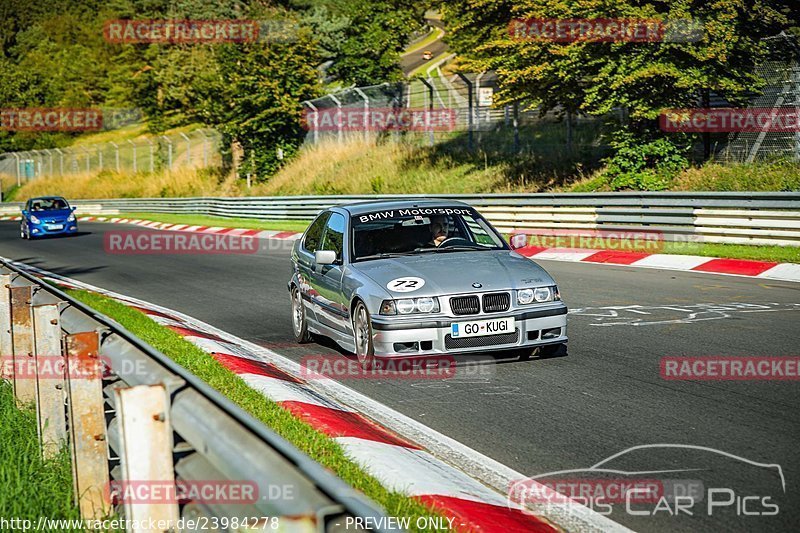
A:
538, 295
409, 306
71, 217
524, 296
34, 219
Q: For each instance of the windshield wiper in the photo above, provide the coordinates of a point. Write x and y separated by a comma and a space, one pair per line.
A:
459, 248
386, 255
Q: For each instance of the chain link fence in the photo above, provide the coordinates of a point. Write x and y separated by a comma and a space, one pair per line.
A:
454, 110
780, 95
198, 148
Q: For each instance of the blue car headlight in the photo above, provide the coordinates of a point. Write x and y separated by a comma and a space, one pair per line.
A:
71, 217
35, 220
410, 306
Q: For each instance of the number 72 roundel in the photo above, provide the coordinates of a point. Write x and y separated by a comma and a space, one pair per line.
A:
407, 284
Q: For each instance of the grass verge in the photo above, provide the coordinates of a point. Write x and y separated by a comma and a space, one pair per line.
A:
204, 220
316, 445
779, 254
30, 487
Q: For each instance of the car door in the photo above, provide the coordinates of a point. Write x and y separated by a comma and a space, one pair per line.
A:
326, 280
304, 262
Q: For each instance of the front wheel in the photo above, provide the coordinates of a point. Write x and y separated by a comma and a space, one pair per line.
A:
299, 322
362, 332
22, 234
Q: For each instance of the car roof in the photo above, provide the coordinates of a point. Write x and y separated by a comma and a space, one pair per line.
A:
360, 208
47, 198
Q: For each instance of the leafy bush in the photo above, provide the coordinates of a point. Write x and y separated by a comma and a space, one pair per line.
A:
643, 165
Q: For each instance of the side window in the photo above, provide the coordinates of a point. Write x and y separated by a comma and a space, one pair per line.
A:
334, 235
314, 233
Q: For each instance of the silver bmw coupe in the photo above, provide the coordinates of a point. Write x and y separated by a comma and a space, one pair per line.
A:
417, 278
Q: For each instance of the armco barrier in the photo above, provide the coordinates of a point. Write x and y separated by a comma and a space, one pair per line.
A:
737, 217
147, 419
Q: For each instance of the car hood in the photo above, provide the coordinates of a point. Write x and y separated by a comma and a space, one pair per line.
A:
455, 272
58, 214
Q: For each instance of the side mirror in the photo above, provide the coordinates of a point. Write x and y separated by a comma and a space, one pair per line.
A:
25, 212
519, 240
325, 257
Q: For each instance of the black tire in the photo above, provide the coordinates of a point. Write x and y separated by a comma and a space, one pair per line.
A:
362, 337
299, 322
22, 234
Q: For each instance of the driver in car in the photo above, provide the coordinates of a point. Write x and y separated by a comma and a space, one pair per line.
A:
439, 230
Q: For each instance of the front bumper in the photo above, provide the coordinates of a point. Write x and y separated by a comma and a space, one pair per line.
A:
538, 326
41, 230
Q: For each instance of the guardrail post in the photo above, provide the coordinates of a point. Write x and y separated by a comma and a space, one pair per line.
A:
50, 413
146, 445
87, 424
22, 341
6, 347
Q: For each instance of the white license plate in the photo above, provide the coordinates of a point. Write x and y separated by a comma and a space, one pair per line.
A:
54, 226
478, 328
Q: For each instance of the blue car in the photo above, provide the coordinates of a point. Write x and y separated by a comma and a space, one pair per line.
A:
47, 215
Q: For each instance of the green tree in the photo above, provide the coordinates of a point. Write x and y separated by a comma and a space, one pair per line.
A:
594, 78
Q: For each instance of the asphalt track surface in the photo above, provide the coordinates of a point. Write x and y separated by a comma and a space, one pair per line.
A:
540, 416
410, 62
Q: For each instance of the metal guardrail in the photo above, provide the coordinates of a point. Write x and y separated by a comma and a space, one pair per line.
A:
741, 218
144, 417
736, 217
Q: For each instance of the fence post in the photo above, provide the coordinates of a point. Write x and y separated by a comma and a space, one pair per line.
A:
152, 155
143, 414
87, 424
16, 158
22, 341
315, 125
169, 151
429, 85
49, 390
60, 161
100, 158
133, 145
116, 154
470, 98
188, 149
339, 117
796, 72
516, 127
205, 147
6, 346
366, 112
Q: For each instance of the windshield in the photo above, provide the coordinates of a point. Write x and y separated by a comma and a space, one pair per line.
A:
48, 204
421, 230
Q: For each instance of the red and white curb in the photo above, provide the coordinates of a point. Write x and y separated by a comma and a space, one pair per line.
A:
403, 454
217, 230
690, 263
